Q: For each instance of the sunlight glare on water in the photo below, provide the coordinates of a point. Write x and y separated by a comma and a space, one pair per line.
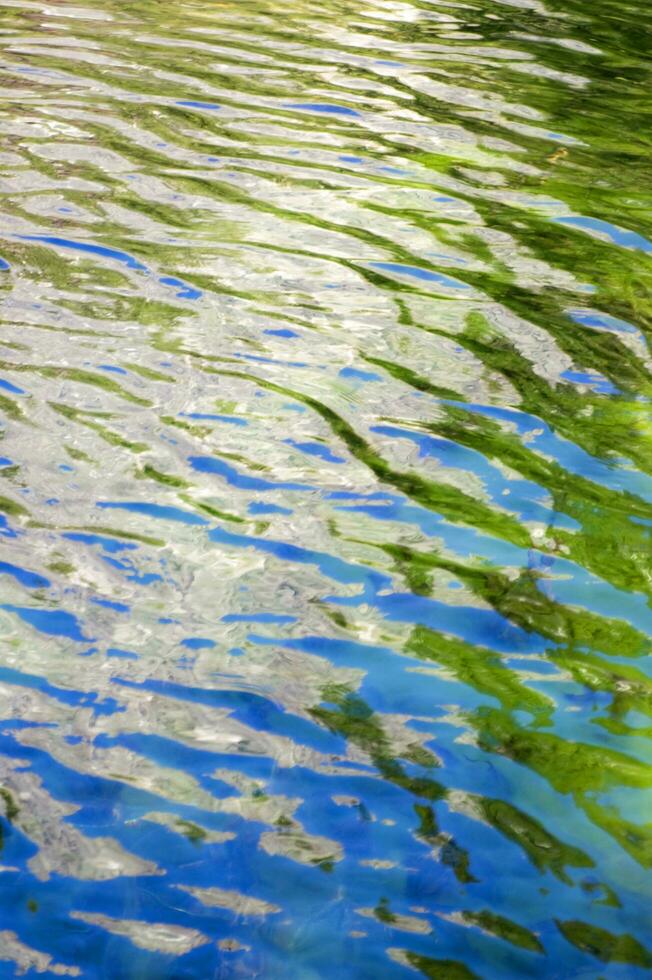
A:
326, 500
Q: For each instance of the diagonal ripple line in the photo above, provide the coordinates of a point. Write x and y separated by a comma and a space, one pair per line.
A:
326, 503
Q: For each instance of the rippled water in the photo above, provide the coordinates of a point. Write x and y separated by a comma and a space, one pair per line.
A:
327, 497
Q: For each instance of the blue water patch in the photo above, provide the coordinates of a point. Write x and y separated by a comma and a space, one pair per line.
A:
283, 332
31, 580
572, 585
6, 530
358, 375
209, 464
257, 507
250, 708
119, 607
213, 106
424, 275
388, 683
335, 568
4, 265
619, 236
51, 622
602, 321
315, 449
388, 742
270, 360
184, 290
482, 627
568, 454
121, 654
592, 380
113, 368
102, 250
325, 107
523, 496
463, 541
131, 572
208, 417
198, 643
8, 386
9, 675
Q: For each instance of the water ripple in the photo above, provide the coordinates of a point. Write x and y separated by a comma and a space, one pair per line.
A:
326, 513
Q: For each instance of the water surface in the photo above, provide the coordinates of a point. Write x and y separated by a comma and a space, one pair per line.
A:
326, 505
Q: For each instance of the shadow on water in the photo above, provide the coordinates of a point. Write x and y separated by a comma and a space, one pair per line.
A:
326, 504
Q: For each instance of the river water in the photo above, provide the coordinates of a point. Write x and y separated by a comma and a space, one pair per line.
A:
327, 489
